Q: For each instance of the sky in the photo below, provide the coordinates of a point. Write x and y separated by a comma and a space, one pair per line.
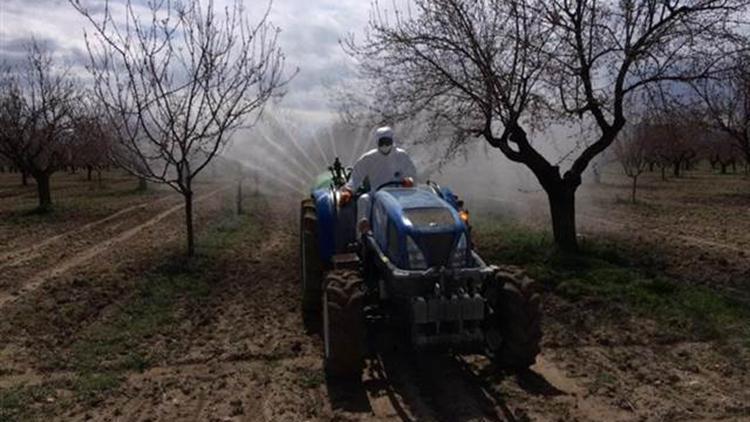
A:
310, 34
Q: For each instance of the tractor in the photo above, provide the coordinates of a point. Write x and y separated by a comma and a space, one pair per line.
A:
407, 264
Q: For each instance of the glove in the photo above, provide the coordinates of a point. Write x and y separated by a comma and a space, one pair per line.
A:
345, 196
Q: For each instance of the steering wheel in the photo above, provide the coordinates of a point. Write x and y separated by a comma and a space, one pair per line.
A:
399, 183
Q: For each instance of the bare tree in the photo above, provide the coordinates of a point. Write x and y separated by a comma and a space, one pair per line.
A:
721, 151
91, 141
674, 142
498, 68
676, 134
177, 80
631, 151
36, 109
725, 102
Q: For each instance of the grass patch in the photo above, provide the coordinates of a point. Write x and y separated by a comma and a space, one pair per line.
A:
602, 271
68, 206
311, 378
31, 217
91, 387
106, 192
118, 343
602, 381
16, 402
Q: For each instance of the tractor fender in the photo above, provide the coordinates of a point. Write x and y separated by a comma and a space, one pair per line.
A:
325, 209
449, 197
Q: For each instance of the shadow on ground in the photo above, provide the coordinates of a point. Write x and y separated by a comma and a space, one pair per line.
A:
415, 386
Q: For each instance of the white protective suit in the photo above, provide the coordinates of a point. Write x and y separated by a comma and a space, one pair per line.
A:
382, 168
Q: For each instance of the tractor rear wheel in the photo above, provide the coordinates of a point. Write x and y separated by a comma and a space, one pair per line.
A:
343, 324
513, 325
310, 268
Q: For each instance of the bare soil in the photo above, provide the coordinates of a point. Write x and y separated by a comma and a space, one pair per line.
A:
699, 224
77, 203
242, 352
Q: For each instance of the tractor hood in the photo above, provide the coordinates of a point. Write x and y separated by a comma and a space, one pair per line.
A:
419, 210
415, 198
419, 216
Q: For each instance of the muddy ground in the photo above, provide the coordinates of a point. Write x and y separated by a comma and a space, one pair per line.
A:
107, 322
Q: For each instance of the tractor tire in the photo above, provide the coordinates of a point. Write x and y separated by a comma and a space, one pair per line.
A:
311, 273
344, 324
513, 325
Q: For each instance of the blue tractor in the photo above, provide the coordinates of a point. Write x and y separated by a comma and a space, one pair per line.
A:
408, 261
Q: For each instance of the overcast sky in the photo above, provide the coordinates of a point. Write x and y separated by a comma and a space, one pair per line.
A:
310, 35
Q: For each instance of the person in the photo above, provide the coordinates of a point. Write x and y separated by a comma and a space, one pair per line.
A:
386, 163
375, 168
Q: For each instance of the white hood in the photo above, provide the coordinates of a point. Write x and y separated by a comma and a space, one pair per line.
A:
384, 132
381, 168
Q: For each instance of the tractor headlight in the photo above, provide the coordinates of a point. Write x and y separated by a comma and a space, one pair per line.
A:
417, 260
458, 258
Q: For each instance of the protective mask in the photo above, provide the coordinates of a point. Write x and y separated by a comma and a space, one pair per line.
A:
385, 149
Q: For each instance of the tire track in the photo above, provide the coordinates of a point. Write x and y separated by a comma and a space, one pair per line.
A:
582, 217
27, 253
694, 240
38, 279
434, 387
580, 403
211, 373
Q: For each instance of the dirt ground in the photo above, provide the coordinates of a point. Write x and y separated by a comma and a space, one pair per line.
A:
239, 350
700, 222
698, 225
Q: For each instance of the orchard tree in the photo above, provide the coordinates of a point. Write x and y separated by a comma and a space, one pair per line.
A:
6, 165
37, 100
91, 142
176, 81
497, 69
721, 151
631, 150
725, 102
674, 142
677, 135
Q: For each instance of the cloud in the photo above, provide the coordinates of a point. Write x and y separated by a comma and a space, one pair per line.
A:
310, 37
310, 33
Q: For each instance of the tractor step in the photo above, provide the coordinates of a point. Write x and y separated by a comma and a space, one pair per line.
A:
345, 261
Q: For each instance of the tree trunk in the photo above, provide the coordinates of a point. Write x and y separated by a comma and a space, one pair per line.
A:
240, 211
189, 222
142, 184
723, 168
676, 168
43, 191
562, 209
635, 184
88, 173
663, 173
24, 178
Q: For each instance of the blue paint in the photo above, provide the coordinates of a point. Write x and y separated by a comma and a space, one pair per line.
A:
326, 212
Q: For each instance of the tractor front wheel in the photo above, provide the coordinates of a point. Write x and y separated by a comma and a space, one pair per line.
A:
513, 325
311, 273
343, 324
